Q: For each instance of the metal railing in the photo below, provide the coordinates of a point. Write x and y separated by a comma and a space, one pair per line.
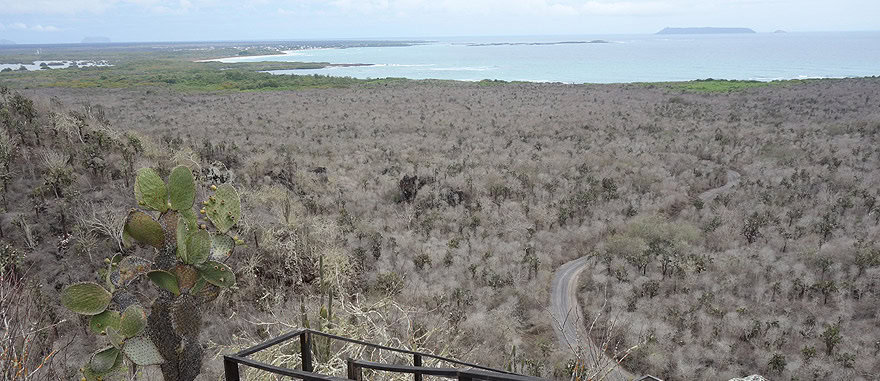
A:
355, 367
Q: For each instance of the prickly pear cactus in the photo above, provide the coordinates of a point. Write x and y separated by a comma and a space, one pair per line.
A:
187, 269
224, 207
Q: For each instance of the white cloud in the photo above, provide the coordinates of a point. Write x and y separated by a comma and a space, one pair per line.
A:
55, 6
100, 6
41, 28
33, 28
501, 7
626, 7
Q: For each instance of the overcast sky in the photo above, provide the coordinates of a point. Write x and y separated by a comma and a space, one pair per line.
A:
49, 21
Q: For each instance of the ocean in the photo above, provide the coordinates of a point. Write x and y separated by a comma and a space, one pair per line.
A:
611, 59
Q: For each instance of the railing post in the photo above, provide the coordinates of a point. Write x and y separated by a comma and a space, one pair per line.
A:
305, 344
464, 377
417, 361
230, 369
354, 371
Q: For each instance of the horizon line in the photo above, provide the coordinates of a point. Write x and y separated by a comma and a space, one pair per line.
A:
398, 38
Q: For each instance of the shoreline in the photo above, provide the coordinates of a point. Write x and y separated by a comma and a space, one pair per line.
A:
221, 59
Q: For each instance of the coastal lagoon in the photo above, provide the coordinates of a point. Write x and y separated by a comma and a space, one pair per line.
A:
607, 59
60, 64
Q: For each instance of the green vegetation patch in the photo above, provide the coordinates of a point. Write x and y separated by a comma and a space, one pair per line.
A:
718, 85
183, 75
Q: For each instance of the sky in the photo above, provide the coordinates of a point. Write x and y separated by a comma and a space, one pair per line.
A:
69, 21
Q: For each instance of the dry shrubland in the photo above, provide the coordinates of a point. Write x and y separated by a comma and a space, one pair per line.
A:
440, 212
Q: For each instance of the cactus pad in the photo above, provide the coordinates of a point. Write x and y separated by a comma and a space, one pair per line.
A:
198, 247
103, 360
144, 228
165, 280
86, 298
126, 239
168, 221
224, 208
181, 233
186, 318
217, 274
199, 286
182, 188
141, 351
100, 322
221, 247
150, 191
131, 267
115, 337
91, 374
192, 222
187, 276
133, 321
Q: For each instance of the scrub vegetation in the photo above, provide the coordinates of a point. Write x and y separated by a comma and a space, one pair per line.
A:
432, 215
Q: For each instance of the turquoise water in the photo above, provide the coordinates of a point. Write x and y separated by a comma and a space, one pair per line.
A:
625, 58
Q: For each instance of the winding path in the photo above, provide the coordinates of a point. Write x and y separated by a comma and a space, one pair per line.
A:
568, 321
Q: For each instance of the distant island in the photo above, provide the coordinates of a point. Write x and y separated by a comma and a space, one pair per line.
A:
780, 31
705, 30
6, 42
95, 40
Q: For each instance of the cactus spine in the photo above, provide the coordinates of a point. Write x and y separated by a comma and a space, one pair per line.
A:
187, 267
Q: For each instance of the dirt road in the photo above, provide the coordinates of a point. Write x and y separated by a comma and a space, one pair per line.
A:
563, 297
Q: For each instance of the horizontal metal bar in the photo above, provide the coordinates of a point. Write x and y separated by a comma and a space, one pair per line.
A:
268, 343
490, 371
441, 358
496, 376
442, 372
299, 374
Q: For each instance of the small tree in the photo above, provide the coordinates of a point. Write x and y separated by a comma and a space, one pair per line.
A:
752, 227
826, 288
826, 226
777, 363
831, 337
7, 148
188, 268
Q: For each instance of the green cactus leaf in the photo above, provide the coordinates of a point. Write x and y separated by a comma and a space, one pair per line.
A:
144, 228
181, 233
192, 222
150, 191
224, 208
86, 298
132, 267
182, 188
126, 239
142, 351
221, 247
198, 247
133, 321
217, 274
165, 280
103, 360
198, 286
116, 338
112, 373
100, 322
